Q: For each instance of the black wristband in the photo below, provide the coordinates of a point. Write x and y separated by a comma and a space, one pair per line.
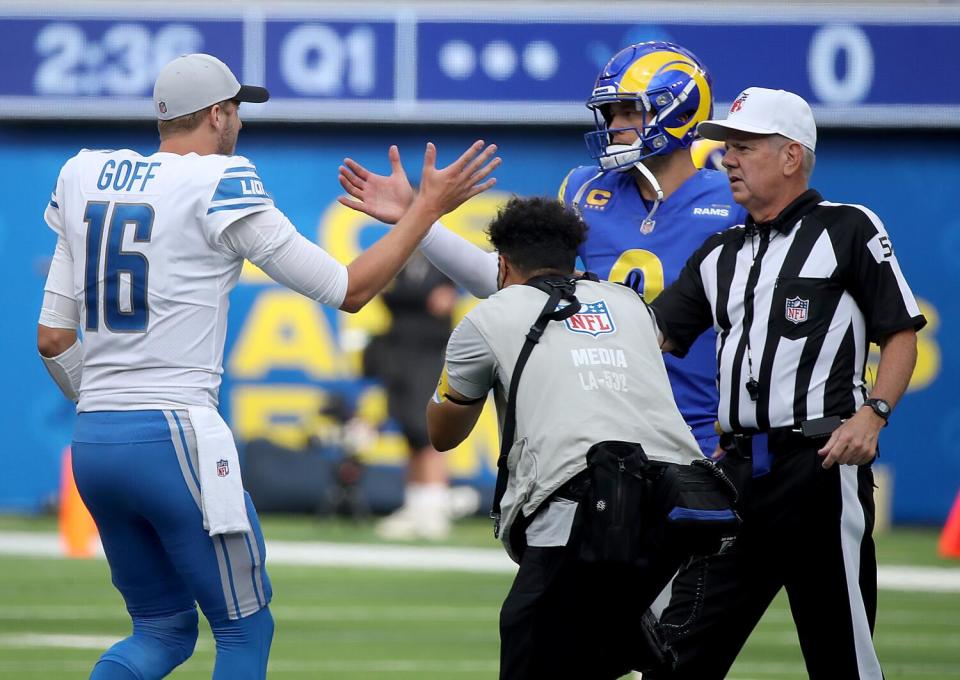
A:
464, 402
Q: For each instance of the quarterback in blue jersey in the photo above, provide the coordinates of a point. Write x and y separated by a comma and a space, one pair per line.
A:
646, 203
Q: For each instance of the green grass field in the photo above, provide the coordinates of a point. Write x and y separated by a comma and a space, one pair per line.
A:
340, 624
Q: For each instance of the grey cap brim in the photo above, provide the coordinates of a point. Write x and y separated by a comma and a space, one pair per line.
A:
719, 130
252, 94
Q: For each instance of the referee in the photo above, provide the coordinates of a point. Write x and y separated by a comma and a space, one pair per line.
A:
795, 295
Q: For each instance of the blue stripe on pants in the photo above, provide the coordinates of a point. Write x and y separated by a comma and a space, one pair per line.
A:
161, 559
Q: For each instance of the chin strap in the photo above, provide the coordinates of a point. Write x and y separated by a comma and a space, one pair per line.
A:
647, 225
582, 190
622, 157
622, 151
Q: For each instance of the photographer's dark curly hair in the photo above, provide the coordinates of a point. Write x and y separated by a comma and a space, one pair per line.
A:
537, 233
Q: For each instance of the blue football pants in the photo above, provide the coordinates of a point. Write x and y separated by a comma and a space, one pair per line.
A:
137, 473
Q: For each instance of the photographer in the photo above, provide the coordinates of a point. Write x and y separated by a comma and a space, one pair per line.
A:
595, 441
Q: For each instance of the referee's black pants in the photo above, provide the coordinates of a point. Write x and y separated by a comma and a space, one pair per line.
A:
567, 620
805, 529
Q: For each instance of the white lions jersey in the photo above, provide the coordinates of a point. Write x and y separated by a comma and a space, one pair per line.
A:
150, 274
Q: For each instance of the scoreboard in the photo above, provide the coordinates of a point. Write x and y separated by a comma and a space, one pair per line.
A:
857, 65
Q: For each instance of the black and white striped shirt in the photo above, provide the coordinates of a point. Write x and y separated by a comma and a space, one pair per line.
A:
795, 303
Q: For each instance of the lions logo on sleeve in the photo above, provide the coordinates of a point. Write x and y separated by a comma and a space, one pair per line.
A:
239, 192
239, 188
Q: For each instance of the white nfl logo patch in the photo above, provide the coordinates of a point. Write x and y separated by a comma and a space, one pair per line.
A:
797, 309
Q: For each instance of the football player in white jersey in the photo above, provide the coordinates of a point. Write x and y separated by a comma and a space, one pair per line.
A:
148, 249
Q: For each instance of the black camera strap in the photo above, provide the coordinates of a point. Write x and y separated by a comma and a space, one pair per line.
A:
557, 288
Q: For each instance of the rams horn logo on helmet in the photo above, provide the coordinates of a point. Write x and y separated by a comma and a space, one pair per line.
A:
666, 81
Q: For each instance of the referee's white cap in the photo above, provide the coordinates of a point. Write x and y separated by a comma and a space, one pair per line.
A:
760, 111
195, 81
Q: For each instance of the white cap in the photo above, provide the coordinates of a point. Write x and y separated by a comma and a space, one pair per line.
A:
760, 111
195, 81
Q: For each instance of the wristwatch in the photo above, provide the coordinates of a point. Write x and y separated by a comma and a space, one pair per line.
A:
880, 407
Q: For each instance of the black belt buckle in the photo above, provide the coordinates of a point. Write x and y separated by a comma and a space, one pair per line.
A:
739, 444
820, 427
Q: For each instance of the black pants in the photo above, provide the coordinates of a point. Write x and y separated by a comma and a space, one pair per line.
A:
564, 619
805, 529
409, 374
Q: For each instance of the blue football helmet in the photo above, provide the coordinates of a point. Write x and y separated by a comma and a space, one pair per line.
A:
661, 78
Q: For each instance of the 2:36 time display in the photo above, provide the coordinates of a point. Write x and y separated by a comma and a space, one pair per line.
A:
124, 61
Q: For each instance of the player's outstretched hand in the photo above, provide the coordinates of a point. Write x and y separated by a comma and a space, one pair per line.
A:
443, 190
384, 198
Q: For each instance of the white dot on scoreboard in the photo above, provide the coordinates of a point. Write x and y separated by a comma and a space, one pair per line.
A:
540, 60
499, 60
458, 59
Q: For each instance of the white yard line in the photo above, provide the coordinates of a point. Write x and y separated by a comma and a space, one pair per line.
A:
427, 558
28, 544
386, 666
28, 640
757, 670
920, 579
483, 560
289, 612
57, 640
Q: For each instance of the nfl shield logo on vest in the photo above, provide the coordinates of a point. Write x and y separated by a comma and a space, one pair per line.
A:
593, 319
797, 309
223, 468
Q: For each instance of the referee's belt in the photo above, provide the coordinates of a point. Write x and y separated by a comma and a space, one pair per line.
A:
815, 428
755, 444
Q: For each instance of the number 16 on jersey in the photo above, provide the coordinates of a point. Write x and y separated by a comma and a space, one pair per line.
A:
125, 272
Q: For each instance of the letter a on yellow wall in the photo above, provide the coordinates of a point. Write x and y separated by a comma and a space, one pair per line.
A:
285, 330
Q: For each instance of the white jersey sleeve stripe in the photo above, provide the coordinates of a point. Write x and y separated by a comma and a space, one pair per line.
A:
245, 174
238, 206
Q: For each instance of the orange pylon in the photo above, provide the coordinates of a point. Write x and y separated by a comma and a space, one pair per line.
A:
78, 532
950, 538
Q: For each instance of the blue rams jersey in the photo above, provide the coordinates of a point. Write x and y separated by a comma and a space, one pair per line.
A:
618, 249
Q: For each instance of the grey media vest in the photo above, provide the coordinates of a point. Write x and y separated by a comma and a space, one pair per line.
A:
596, 376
